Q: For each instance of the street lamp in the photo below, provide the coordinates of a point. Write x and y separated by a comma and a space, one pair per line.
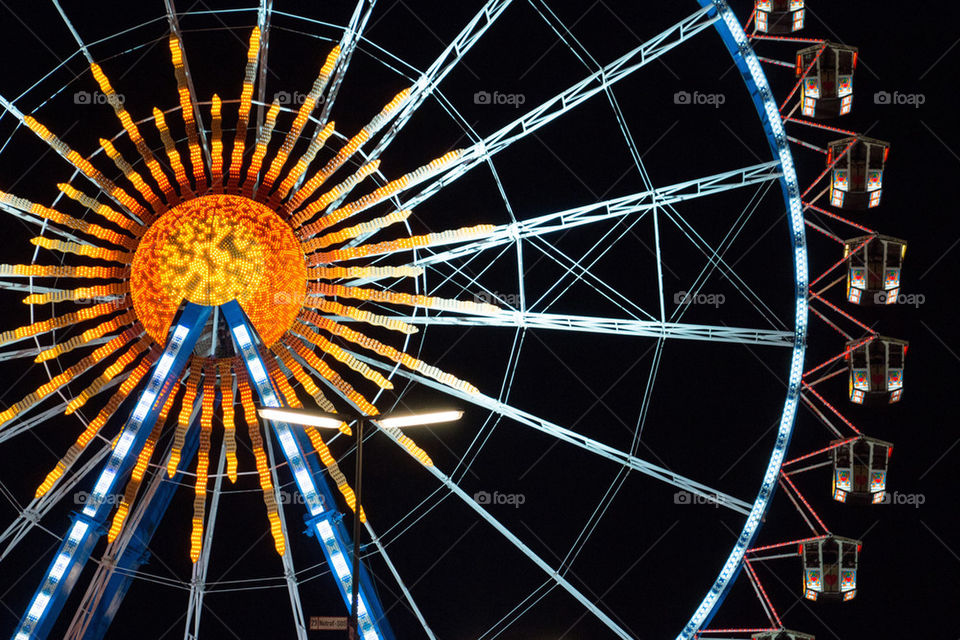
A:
324, 420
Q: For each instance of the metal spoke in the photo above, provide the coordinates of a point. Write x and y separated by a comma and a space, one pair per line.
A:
584, 442
553, 573
568, 100
611, 209
442, 66
348, 44
588, 324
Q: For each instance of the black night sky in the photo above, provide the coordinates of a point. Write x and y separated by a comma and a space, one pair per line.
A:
630, 543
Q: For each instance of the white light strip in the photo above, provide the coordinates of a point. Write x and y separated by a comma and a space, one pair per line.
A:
299, 417
420, 419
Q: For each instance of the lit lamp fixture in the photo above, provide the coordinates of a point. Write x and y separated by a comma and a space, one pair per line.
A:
323, 420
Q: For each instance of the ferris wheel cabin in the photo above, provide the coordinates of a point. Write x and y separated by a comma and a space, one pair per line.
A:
827, 89
781, 634
876, 370
779, 16
873, 269
858, 174
860, 471
830, 568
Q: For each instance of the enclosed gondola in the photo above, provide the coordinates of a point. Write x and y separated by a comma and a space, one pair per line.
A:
830, 568
860, 470
876, 370
873, 269
858, 163
779, 16
827, 88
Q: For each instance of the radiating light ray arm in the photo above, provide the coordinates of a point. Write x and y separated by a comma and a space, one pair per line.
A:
336, 193
216, 146
380, 349
333, 308
108, 213
57, 322
108, 293
339, 354
334, 469
192, 390
179, 171
243, 115
306, 381
80, 163
107, 326
427, 83
378, 195
132, 130
346, 152
229, 426
131, 174
203, 462
365, 273
617, 326
395, 297
86, 250
189, 109
409, 243
302, 163
570, 98
69, 374
303, 115
48, 213
44, 271
124, 359
263, 142
263, 468
332, 377
94, 426
357, 230
579, 440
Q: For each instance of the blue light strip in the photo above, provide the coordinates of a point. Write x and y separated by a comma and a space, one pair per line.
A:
325, 521
87, 527
746, 60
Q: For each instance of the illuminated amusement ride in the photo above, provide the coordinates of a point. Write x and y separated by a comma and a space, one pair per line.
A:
227, 253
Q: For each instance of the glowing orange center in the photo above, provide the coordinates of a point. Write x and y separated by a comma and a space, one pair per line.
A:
214, 249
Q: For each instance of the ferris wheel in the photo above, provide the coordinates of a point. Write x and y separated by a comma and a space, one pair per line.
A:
220, 251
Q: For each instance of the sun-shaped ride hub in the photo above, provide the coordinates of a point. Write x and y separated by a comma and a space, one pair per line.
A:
213, 249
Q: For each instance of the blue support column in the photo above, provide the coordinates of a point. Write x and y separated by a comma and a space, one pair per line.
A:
325, 522
136, 553
88, 526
